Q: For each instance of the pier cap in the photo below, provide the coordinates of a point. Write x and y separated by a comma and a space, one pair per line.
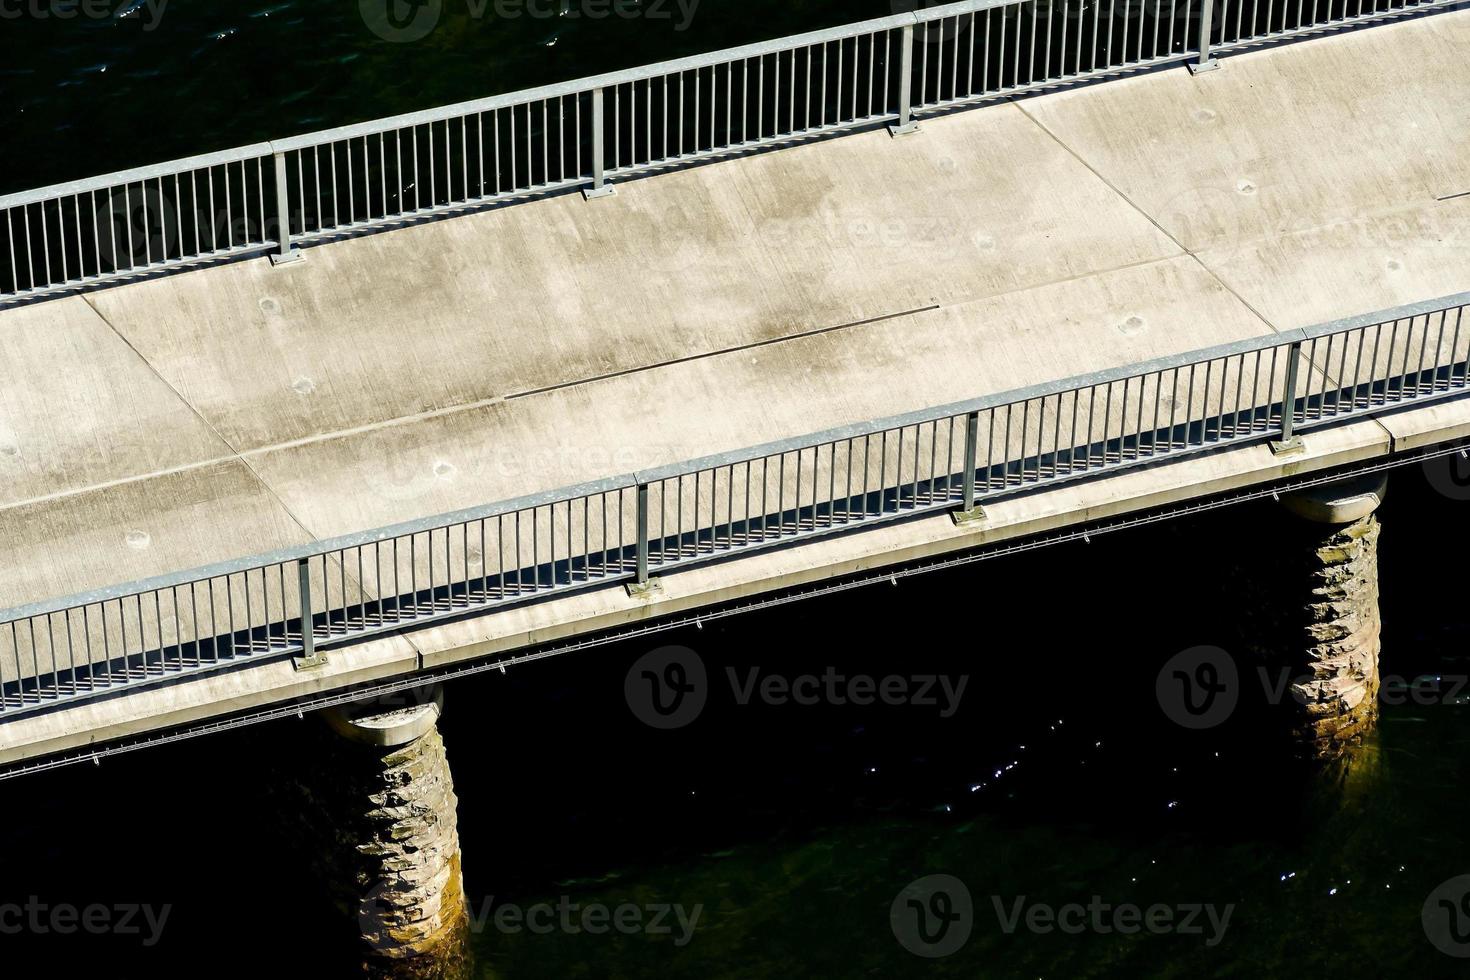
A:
389, 720
1340, 502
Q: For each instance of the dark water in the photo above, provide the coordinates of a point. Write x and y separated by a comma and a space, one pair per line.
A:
793, 828
85, 96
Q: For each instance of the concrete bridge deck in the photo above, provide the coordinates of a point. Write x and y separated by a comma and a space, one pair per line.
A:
228, 411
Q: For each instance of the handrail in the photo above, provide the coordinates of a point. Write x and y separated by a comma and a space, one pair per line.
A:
1046, 389
304, 598
609, 79
317, 548
276, 195
273, 196
136, 175
490, 103
703, 464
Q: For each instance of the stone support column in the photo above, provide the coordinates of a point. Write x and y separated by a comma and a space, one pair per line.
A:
395, 838
1333, 620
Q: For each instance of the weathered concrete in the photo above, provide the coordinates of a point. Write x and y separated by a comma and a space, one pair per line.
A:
385, 800
1309, 186
243, 407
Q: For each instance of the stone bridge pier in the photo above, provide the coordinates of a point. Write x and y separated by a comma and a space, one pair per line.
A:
1329, 618
386, 799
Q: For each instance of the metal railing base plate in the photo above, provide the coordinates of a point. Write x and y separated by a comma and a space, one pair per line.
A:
645, 590
908, 128
1287, 447
307, 663
290, 258
592, 193
969, 518
1196, 67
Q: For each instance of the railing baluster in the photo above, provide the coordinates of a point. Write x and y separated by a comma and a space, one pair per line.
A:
1289, 441
642, 585
599, 188
969, 513
309, 655
284, 252
1206, 61
906, 123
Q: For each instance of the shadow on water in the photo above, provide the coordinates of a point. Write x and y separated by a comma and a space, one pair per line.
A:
792, 828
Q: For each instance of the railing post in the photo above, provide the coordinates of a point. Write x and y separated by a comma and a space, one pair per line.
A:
1206, 61
969, 513
599, 188
1289, 441
642, 585
309, 657
642, 534
906, 123
285, 253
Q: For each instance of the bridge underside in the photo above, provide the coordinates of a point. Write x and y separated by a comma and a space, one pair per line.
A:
228, 411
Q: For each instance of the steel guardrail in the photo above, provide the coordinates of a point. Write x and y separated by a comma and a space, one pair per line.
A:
299, 601
274, 197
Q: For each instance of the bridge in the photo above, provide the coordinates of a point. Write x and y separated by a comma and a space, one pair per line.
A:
296, 423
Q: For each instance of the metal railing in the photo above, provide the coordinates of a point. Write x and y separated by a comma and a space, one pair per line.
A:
627, 528
136, 221
274, 196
